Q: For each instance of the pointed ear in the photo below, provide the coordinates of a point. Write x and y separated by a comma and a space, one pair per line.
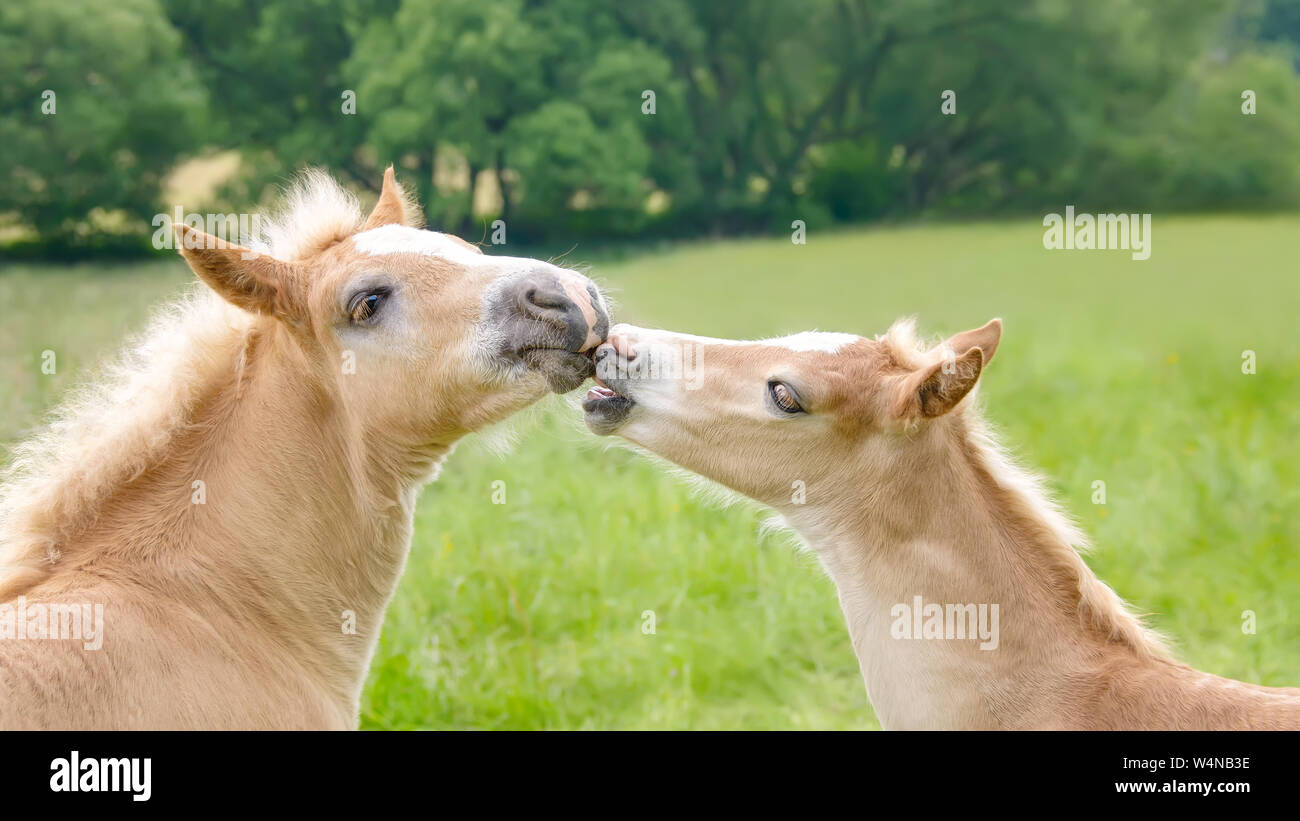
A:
985, 338
936, 389
255, 282
394, 207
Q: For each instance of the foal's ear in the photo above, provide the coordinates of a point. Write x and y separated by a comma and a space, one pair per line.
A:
936, 389
985, 337
394, 206
255, 282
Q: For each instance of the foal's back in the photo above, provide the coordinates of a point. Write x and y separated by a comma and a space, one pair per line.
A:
1165, 695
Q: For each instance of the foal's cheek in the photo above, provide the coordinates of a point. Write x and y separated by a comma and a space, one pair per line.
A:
493, 404
642, 428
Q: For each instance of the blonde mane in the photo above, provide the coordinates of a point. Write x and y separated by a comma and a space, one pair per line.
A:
1028, 500
1062, 543
315, 213
121, 422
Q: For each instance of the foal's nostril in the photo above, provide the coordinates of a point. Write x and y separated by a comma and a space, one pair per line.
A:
551, 304
547, 299
622, 345
607, 351
550, 309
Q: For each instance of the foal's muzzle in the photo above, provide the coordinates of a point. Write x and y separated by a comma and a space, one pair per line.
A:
552, 319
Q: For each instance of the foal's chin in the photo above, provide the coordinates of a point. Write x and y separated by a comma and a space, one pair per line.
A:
562, 369
605, 411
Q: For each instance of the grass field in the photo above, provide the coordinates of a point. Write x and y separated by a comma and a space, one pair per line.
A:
529, 614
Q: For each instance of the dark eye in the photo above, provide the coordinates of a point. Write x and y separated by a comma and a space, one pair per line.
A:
784, 397
366, 305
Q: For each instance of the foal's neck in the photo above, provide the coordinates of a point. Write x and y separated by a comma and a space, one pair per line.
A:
960, 531
307, 529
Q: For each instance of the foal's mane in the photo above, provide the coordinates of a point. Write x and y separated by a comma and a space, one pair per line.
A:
1026, 498
123, 421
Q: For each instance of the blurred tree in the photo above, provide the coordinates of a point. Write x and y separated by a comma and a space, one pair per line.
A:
1271, 21
547, 96
572, 117
276, 82
125, 104
779, 95
1206, 152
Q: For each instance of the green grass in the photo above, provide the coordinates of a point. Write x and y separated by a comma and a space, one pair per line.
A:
529, 614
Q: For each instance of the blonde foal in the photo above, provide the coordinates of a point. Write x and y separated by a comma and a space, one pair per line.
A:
966, 600
235, 498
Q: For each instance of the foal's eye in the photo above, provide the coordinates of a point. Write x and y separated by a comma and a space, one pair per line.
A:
784, 397
365, 305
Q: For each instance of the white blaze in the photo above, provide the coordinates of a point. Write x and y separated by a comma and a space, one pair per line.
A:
402, 239
814, 341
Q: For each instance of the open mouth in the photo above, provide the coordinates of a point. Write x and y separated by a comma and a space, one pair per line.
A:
605, 409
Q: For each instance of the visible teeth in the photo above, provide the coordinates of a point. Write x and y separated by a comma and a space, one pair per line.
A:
599, 392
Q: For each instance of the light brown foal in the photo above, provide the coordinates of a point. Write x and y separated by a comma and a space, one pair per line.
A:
966, 600
236, 499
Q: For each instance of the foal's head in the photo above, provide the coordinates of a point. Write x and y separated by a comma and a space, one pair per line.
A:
418, 335
760, 416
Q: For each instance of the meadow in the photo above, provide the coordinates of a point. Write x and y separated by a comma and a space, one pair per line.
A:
538, 568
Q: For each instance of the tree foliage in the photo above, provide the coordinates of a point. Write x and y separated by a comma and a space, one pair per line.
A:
581, 118
96, 105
